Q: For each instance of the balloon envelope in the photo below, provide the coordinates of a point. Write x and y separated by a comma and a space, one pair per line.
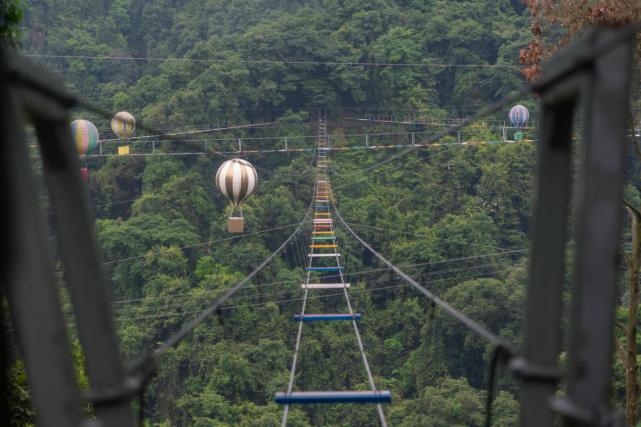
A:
123, 124
519, 115
85, 136
236, 179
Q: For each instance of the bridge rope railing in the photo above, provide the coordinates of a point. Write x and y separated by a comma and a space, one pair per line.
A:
143, 370
321, 192
502, 349
368, 370
299, 334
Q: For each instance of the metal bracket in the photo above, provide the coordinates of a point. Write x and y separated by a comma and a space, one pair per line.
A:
532, 372
134, 384
571, 410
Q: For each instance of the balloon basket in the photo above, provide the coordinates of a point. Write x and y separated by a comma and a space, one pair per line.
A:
123, 150
84, 173
235, 224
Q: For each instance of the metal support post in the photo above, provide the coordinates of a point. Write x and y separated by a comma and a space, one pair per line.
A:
605, 106
29, 278
546, 274
595, 71
32, 288
83, 269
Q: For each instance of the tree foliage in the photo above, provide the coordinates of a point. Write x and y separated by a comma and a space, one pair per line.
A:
455, 217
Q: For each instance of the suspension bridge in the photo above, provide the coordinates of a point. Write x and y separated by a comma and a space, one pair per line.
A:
603, 58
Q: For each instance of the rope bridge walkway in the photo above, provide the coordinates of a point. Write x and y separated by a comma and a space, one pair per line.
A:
329, 256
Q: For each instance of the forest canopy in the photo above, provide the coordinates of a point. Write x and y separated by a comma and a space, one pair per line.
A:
453, 215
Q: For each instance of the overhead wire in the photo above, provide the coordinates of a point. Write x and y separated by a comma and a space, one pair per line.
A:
490, 268
442, 134
290, 300
299, 334
270, 61
207, 243
354, 273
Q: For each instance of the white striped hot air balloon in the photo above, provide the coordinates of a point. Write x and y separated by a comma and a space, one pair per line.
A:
236, 179
123, 124
519, 115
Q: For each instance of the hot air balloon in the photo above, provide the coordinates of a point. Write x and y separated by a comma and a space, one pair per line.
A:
236, 179
85, 136
519, 115
123, 125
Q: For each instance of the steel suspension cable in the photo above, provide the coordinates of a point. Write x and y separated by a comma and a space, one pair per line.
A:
186, 329
299, 334
361, 348
472, 325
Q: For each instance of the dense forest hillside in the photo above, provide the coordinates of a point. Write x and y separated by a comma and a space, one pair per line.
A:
455, 217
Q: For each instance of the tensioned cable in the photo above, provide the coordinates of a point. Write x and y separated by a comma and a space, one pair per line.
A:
299, 334
446, 149
270, 61
186, 329
189, 132
442, 134
357, 225
290, 300
472, 325
361, 348
490, 268
446, 261
418, 145
209, 242
354, 273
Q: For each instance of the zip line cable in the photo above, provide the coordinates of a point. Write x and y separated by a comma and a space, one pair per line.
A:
186, 329
447, 261
142, 367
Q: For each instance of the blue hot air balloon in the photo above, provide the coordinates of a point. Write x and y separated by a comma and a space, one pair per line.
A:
519, 115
